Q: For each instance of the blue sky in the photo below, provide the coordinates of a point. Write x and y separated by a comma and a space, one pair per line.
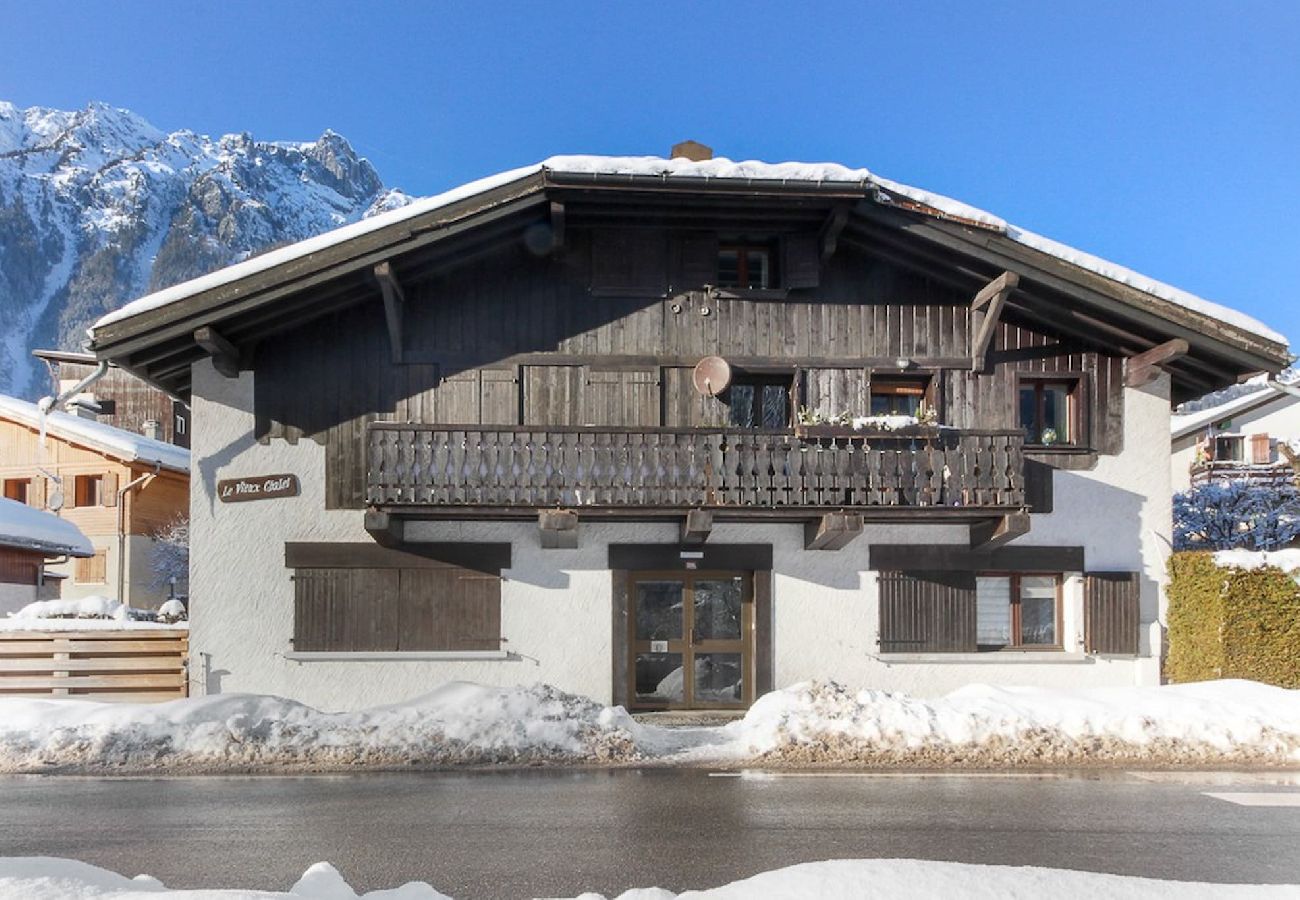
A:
1161, 135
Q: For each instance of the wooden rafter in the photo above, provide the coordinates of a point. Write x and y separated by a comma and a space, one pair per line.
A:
394, 303
225, 356
1145, 368
986, 312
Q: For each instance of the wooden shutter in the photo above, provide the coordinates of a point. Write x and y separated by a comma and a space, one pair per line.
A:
36, 492
697, 263
629, 397
801, 263
552, 395
927, 612
631, 262
450, 609
834, 391
1039, 495
346, 609
499, 393
458, 398
1260, 449
108, 489
1112, 615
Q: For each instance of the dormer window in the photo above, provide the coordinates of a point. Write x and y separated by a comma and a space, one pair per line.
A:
745, 267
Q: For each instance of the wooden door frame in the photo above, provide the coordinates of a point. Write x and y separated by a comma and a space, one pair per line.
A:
686, 646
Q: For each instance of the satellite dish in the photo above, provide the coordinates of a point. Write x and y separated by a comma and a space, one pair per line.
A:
55, 501
712, 376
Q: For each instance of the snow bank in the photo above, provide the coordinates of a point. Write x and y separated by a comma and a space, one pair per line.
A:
35, 529
1286, 560
46, 878
96, 606
457, 724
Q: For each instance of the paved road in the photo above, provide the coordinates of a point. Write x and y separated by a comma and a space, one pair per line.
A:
549, 832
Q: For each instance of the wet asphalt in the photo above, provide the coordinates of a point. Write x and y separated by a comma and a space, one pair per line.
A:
544, 833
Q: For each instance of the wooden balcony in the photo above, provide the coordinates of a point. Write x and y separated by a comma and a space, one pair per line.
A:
1270, 474
515, 469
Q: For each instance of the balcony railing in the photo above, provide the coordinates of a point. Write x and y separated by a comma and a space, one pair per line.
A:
1218, 470
605, 467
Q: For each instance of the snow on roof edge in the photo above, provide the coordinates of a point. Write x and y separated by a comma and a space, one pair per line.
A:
29, 528
719, 168
1181, 426
106, 438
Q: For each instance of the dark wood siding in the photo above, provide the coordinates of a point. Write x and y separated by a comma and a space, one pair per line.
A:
391, 609
20, 567
1112, 614
927, 612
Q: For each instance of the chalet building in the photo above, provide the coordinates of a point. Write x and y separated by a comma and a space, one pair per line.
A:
1251, 435
118, 398
29, 539
592, 423
116, 487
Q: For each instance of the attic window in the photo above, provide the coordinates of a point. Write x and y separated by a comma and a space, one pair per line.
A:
745, 266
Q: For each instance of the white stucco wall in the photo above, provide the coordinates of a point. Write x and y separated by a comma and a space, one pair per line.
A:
1279, 418
556, 605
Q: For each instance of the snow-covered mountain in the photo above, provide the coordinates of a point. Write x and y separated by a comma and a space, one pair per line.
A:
98, 207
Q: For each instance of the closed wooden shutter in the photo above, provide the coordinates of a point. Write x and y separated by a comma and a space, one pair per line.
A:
1261, 450
500, 397
697, 262
830, 392
801, 261
450, 609
36, 492
1112, 614
92, 569
629, 262
552, 395
927, 612
108, 489
629, 397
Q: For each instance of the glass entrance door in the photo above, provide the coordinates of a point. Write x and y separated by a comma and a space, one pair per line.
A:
691, 639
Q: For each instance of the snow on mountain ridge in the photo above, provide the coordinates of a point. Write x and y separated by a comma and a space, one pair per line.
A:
97, 207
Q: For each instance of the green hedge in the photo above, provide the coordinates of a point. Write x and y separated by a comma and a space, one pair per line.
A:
1231, 623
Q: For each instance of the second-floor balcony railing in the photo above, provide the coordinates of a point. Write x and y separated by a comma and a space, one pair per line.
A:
607, 467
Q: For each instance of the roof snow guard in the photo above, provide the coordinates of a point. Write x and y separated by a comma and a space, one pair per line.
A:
154, 335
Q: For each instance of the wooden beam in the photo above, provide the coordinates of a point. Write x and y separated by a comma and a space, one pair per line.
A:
993, 533
394, 302
832, 531
1145, 368
830, 233
559, 529
986, 312
225, 356
696, 527
388, 531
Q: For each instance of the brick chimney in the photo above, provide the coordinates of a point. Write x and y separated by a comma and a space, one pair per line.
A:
692, 150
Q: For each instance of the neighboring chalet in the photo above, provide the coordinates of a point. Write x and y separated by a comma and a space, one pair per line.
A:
590, 423
29, 538
117, 487
118, 398
1253, 434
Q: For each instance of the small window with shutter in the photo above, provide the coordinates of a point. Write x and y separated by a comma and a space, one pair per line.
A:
17, 489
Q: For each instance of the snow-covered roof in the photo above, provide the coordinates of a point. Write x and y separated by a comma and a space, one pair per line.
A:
721, 170
1183, 425
29, 528
115, 442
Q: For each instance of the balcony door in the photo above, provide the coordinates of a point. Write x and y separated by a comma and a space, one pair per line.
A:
691, 640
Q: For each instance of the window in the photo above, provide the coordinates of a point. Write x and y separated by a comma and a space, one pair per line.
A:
892, 396
88, 490
759, 401
1048, 411
1229, 447
93, 569
16, 489
180, 425
745, 266
107, 407
1017, 611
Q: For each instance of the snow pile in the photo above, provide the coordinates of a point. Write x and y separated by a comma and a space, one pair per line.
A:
885, 423
49, 878
979, 725
1287, 560
457, 724
172, 611
34, 529
95, 606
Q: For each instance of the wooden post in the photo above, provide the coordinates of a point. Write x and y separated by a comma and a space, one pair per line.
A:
225, 356
993, 533
696, 527
832, 531
559, 529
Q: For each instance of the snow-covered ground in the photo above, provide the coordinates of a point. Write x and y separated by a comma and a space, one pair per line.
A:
43, 878
814, 723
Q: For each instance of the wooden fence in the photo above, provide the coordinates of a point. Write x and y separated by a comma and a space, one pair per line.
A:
137, 666
516, 466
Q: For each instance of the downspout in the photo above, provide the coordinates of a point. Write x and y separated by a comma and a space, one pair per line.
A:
121, 529
48, 403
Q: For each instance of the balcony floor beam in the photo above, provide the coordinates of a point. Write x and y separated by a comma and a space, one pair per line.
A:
833, 531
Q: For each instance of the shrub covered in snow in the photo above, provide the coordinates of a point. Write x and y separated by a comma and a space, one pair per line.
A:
1234, 614
93, 607
172, 611
1220, 516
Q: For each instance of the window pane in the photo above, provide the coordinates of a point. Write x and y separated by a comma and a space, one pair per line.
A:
659, 677
718, 678
993, 611
1056, 415
728, 268
1029, 414
1038, 610
756, 264
659, 610
717, 609
740, 401
776, 406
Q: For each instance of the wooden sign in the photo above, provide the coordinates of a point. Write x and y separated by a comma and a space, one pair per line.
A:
258, 487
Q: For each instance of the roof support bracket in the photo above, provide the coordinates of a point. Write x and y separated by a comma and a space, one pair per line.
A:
225, 356
697, 526
986, 312
559, 529
993, 533
387, 530
830, 233
832, 531
1145, 368
394, 304
557, 227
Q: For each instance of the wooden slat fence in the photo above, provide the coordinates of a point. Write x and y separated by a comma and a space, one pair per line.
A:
514, 466
137, 666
